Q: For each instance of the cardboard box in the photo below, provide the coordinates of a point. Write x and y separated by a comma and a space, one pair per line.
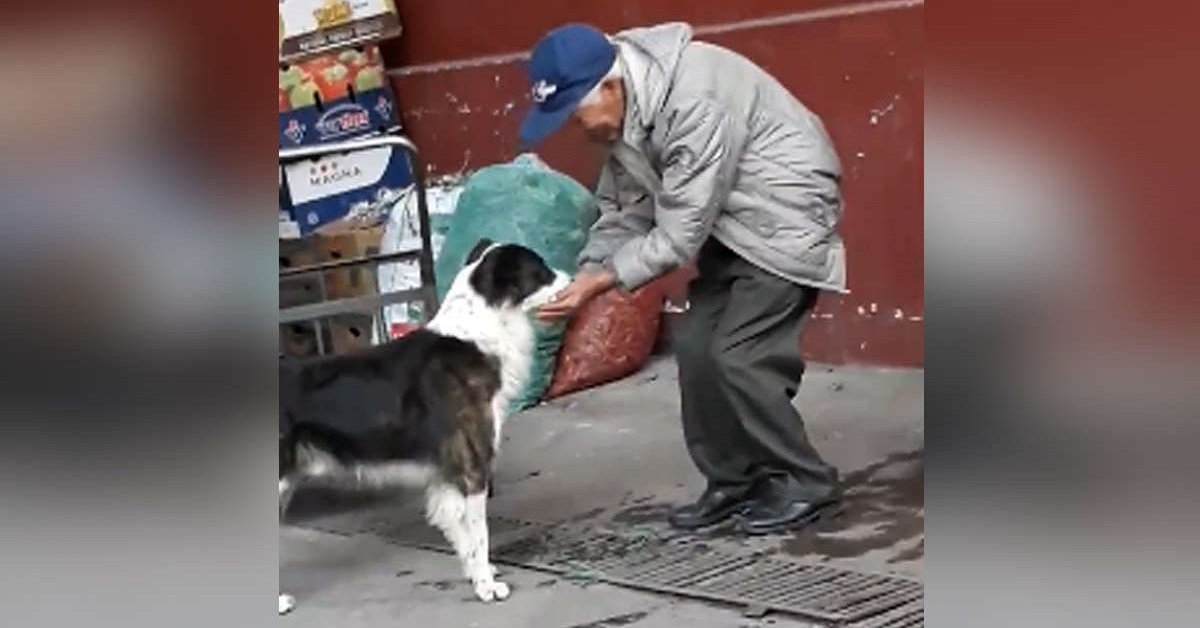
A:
308, 26
345, 333
297, 340
356, 186
303, 289
349, 333
342, 333
334, 97
356, 280
339, 283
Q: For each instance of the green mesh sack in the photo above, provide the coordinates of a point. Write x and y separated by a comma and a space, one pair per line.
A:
523, 202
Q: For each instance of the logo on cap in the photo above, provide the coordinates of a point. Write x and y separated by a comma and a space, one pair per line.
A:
543, 90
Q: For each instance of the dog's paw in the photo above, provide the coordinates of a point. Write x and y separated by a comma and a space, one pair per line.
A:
495, 572
491, 590
286, 603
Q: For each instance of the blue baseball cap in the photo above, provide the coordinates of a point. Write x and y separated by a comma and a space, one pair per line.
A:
565, 65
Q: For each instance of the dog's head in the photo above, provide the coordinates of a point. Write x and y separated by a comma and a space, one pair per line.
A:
512, 276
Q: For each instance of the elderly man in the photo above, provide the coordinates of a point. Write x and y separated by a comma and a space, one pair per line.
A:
709, 159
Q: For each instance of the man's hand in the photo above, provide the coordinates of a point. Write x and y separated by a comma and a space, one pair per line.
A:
586, 285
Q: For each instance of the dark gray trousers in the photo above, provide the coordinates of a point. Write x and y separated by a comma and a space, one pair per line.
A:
738, 348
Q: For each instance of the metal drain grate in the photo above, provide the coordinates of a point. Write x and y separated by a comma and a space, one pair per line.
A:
911, 615
694, 569
826, 594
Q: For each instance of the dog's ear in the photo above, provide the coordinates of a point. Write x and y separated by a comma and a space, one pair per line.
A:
478, 250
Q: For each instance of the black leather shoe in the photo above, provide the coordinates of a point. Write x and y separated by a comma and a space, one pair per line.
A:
713, 507
779, 516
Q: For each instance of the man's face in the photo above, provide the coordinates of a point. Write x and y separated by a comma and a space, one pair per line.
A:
602, 117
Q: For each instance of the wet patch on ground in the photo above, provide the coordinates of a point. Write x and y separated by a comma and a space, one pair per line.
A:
614, 621
591, 514
882, 507
529, 476
653, 516
643, 514
563, 546
728, 533
630, 497
913, 553
439, 585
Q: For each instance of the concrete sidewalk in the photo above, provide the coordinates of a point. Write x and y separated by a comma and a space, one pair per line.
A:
614, 457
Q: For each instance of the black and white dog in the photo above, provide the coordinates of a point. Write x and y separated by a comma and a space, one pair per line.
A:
424, 410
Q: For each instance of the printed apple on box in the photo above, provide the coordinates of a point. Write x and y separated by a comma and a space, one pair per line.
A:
334, 97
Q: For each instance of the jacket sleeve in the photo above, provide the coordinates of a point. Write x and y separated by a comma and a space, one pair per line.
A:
616, 225
700, 155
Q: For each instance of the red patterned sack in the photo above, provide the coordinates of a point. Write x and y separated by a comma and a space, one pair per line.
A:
402, 329
610, 337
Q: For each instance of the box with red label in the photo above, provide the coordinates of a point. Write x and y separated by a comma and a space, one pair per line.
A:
334, 97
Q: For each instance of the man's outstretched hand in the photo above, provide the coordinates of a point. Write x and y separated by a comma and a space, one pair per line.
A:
586, 285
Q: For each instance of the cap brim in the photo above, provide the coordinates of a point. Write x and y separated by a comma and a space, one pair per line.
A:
540, 124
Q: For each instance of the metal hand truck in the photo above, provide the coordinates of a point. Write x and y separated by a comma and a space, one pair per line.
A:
425, 293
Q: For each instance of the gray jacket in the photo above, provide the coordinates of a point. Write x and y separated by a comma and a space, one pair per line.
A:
713, 145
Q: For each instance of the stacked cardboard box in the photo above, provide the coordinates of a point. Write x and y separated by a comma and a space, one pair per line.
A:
342, 333
333, 87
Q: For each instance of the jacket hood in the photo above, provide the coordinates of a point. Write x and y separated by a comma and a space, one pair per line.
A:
649, 57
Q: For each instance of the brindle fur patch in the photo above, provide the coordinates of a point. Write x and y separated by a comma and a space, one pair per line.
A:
424, 398
466, 456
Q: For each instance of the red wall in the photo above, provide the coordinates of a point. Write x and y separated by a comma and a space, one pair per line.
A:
458, 73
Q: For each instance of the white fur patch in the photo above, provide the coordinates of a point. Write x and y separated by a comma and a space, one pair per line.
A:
506, 333
547, 294
410, 474
315, 462
463, 519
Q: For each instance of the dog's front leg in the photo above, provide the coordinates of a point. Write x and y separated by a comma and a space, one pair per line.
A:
451, 512
477, 530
